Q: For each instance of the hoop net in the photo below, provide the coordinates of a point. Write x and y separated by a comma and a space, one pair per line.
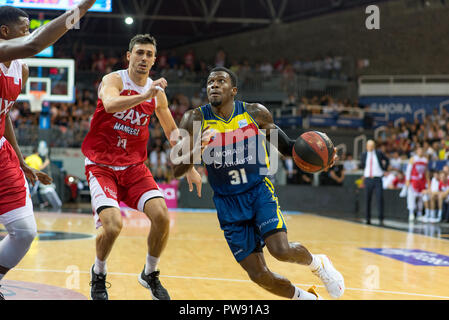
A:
37, 98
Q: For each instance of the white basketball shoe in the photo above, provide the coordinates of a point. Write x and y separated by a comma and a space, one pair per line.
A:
332, 279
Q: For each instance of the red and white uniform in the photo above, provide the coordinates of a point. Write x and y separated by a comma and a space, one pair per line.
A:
115, 149
443, 185
15, 201
416, 174
398, 183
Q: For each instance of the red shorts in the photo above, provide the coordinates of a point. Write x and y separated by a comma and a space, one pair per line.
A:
133, 185
15, 200
419, 185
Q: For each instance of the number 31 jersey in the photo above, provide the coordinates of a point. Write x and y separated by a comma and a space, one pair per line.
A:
236, 159
121, 138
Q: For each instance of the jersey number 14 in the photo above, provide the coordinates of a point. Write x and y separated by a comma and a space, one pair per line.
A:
122, 142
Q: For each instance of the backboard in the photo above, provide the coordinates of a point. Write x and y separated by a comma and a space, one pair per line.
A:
54, 76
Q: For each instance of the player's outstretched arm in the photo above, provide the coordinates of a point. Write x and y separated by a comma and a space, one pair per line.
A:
113, 102
44, 36
284, 144
187, 149
171, 131
264, 119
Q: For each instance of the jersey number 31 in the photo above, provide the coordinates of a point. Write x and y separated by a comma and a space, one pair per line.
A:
238, 177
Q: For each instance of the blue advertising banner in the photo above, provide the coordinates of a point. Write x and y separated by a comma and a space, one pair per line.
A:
289, 121
398, 107
413, 256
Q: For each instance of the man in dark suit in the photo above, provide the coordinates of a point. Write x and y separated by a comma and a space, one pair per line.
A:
373, 163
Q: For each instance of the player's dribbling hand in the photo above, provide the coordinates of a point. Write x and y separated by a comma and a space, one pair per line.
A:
194, 178
333, 161
207, 136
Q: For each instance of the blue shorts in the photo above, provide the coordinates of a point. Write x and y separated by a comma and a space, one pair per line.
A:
248, 218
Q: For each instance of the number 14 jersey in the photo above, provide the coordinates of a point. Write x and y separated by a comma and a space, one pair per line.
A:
121, 138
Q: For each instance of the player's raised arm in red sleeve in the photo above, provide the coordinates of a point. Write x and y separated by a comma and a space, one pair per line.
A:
165, 118
113, 102
43, 37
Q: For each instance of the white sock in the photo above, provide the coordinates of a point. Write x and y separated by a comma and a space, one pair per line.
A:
151, 264
316, 263
100, 266
427, 212
440, 213
411, 213
433, 213
303, 295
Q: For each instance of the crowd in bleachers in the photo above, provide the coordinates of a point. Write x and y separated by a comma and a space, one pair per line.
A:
191, 65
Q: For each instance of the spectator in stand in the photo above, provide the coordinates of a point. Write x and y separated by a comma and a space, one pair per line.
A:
399, 181
173, 59
349, 164
280, 64
235, 66
290, 102
334, 177
266, 68
443, 153
189, 60
220, 58
100, 63
396, 161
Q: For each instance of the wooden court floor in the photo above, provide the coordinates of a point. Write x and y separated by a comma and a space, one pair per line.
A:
197, 263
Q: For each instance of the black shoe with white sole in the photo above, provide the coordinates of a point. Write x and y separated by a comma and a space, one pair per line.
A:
151, 282
98, 284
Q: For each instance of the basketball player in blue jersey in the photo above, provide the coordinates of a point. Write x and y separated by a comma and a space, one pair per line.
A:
232, 147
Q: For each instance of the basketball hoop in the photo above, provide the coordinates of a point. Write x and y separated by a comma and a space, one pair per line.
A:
36, 99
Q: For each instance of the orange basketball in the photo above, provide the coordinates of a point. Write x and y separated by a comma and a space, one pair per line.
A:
313, 151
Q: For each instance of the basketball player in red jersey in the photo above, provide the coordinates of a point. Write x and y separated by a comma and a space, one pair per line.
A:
16, 209
417, 178
115, 150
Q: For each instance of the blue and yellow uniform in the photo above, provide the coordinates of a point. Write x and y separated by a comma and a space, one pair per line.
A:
237, 163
